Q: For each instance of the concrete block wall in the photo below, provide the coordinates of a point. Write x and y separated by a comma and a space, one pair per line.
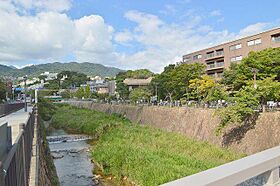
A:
201, 124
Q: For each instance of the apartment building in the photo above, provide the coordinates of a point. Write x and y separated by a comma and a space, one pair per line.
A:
220, 57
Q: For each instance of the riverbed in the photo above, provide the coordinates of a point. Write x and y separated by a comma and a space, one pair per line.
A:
71, 158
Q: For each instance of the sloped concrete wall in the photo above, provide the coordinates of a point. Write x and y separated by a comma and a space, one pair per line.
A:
201, 124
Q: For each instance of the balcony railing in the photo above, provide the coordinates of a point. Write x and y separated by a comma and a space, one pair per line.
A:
215, 65
214, 54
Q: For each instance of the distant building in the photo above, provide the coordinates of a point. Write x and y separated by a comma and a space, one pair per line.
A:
218, 58
136, 83
49, 76
101, 86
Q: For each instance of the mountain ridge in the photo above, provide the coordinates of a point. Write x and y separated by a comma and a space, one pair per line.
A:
87, 68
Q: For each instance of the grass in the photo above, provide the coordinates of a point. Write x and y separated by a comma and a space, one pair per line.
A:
142, 154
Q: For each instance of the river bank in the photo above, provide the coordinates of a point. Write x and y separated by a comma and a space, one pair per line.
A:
71, 158
141, 155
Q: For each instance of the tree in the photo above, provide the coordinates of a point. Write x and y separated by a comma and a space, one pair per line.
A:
80, 93
122, 88
140, 94
173, 82
267, 62
73, 79
200, 87
66, 94
246, 102
87, 93
2, 91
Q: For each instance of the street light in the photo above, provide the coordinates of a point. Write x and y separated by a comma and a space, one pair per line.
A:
25, 104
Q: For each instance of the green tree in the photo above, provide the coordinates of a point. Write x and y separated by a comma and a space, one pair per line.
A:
173, 82
122, 88
246, 102
87, 93
2, 90
80, 93
140, 94
66, 94
200, 87
73, 79
267, 62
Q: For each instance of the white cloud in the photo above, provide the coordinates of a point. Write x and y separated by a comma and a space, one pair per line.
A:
123, 37
253, 29
47, 5
166, 43
215, 13
49, 36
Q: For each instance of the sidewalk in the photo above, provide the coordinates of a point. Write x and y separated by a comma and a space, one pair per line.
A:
14, 119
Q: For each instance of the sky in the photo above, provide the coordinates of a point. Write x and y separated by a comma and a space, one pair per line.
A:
128, 34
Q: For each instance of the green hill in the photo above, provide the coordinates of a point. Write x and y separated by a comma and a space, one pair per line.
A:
86, 68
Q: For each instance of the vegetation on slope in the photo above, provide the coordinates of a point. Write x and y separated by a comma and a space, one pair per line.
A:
142, 154
86, 68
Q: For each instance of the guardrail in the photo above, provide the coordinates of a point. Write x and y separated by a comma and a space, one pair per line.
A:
259, 169
15, 168
9, 108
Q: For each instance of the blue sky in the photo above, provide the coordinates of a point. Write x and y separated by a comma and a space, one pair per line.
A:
128, 34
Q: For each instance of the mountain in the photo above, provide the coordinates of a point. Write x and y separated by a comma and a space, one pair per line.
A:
86, 68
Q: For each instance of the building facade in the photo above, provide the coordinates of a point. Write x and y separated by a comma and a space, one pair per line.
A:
220, 57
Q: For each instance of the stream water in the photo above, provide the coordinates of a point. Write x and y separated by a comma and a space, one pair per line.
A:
71, 159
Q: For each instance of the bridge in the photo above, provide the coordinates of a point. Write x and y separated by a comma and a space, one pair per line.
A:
19, 157
18, 145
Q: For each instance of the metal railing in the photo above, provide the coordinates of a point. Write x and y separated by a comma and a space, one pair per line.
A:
9, 108
258, 169
15, 167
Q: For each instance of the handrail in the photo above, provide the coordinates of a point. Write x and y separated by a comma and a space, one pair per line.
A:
6, 109
15, 167
238, 171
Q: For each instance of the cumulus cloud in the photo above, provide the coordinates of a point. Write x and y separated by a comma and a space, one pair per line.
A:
165, 43
47, 5
51, 35
253, 29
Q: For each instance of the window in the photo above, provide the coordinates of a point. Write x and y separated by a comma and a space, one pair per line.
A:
220, 64
210, 54
199, 56
275, 38
258, 41
187, 59
236, 58
254, 42
235, 47
220, 52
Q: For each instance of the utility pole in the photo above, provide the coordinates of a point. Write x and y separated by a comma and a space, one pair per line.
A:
255, 71
25, 104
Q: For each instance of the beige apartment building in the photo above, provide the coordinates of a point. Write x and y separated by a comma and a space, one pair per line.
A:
219, 57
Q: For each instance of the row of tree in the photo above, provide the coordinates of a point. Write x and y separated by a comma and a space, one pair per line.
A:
188, 82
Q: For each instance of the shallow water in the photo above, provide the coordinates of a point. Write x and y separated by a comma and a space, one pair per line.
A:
72, 160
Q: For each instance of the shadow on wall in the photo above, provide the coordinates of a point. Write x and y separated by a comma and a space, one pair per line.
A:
237, 133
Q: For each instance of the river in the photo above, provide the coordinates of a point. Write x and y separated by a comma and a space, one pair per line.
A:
71, 158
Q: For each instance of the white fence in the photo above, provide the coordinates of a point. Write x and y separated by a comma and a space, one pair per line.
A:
258, 169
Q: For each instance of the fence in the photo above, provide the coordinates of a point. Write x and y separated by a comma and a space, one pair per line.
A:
258, 169
15, 167
9, 108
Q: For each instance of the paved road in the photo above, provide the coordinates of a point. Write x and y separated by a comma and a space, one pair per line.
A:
14, 119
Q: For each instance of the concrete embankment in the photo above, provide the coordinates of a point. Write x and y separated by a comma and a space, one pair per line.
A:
251, 137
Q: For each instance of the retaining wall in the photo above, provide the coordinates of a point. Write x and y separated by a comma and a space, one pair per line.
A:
200, 124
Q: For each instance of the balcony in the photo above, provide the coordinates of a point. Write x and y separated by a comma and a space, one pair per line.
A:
215, 66
212, 55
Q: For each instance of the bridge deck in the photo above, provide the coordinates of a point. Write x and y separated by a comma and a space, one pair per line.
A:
14, 119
